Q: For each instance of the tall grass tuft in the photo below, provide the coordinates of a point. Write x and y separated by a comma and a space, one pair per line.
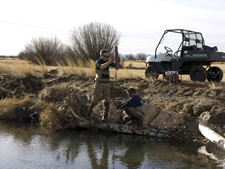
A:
91, 66
212, 86
48, 113
80, 66
19, 67
9, 105
41, 63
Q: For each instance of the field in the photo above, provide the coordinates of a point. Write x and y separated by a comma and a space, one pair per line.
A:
131, 69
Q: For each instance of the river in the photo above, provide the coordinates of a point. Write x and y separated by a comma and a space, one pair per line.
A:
24, 147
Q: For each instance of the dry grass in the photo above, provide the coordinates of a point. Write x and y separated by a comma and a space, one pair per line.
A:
42, 65
49, 116
24, 68
9, 105
80, 68
21, 67
137, 64
212, 86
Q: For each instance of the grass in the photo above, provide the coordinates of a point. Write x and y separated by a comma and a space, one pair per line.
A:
88, 69
69, 66
24, 68
49, 116
131, 64
9, 105
42, 65
212, 86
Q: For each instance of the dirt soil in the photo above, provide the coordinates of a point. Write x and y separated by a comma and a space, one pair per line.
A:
54, 95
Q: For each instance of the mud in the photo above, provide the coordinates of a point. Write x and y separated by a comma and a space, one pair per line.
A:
55, 95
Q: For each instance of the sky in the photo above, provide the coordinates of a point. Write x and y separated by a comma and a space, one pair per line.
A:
140, 23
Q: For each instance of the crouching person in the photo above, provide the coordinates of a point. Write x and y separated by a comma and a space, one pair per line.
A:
134, 108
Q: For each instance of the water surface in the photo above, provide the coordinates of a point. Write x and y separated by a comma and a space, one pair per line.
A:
24, 147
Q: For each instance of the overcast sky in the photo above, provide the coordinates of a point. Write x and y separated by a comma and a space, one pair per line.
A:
141, 23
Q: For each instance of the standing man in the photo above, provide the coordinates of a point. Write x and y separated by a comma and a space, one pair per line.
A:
102, 85
134, 108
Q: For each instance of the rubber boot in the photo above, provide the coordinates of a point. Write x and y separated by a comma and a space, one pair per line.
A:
89, 110
105, 116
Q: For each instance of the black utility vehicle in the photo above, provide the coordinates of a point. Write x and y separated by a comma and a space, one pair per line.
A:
191, 57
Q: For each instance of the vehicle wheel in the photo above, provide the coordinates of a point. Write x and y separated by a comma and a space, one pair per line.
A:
215, 74
151, 72
198, 73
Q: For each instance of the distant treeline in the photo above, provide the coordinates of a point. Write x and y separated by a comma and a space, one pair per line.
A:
8, 56
139, 56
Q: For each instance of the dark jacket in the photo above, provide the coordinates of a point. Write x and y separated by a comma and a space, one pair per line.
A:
134, 101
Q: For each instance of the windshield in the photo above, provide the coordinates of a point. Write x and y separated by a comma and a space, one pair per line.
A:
170, 40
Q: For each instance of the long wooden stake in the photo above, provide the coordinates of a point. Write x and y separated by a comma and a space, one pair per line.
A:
117, 61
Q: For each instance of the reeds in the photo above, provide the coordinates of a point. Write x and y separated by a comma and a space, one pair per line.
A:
41, 64
17, 68
8, 106
22, 68
67, 66
78, 66
48, 114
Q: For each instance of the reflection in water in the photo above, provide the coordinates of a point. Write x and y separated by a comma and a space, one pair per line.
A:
133, 161
23, 146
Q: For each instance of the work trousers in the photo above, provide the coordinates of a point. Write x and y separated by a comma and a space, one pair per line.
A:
101, 91
136, 113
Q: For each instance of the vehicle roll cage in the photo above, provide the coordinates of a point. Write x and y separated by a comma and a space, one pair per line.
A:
189, 38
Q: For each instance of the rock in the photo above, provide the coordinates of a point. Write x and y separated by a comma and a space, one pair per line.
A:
115, 115
169, 118
150, 114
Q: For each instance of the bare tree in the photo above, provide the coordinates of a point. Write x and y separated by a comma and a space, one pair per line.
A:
43, 50
141, 56
91, 38
130, 57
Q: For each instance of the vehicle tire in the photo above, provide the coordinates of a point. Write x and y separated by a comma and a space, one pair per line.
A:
198, 73
215, 74
151, 72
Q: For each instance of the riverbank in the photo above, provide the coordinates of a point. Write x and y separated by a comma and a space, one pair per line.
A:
61, 99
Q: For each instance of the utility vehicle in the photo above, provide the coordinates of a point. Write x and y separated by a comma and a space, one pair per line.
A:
184, 51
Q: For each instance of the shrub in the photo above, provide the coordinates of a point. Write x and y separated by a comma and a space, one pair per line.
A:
43, 51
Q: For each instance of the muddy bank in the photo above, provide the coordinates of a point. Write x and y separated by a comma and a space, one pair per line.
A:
62, 100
